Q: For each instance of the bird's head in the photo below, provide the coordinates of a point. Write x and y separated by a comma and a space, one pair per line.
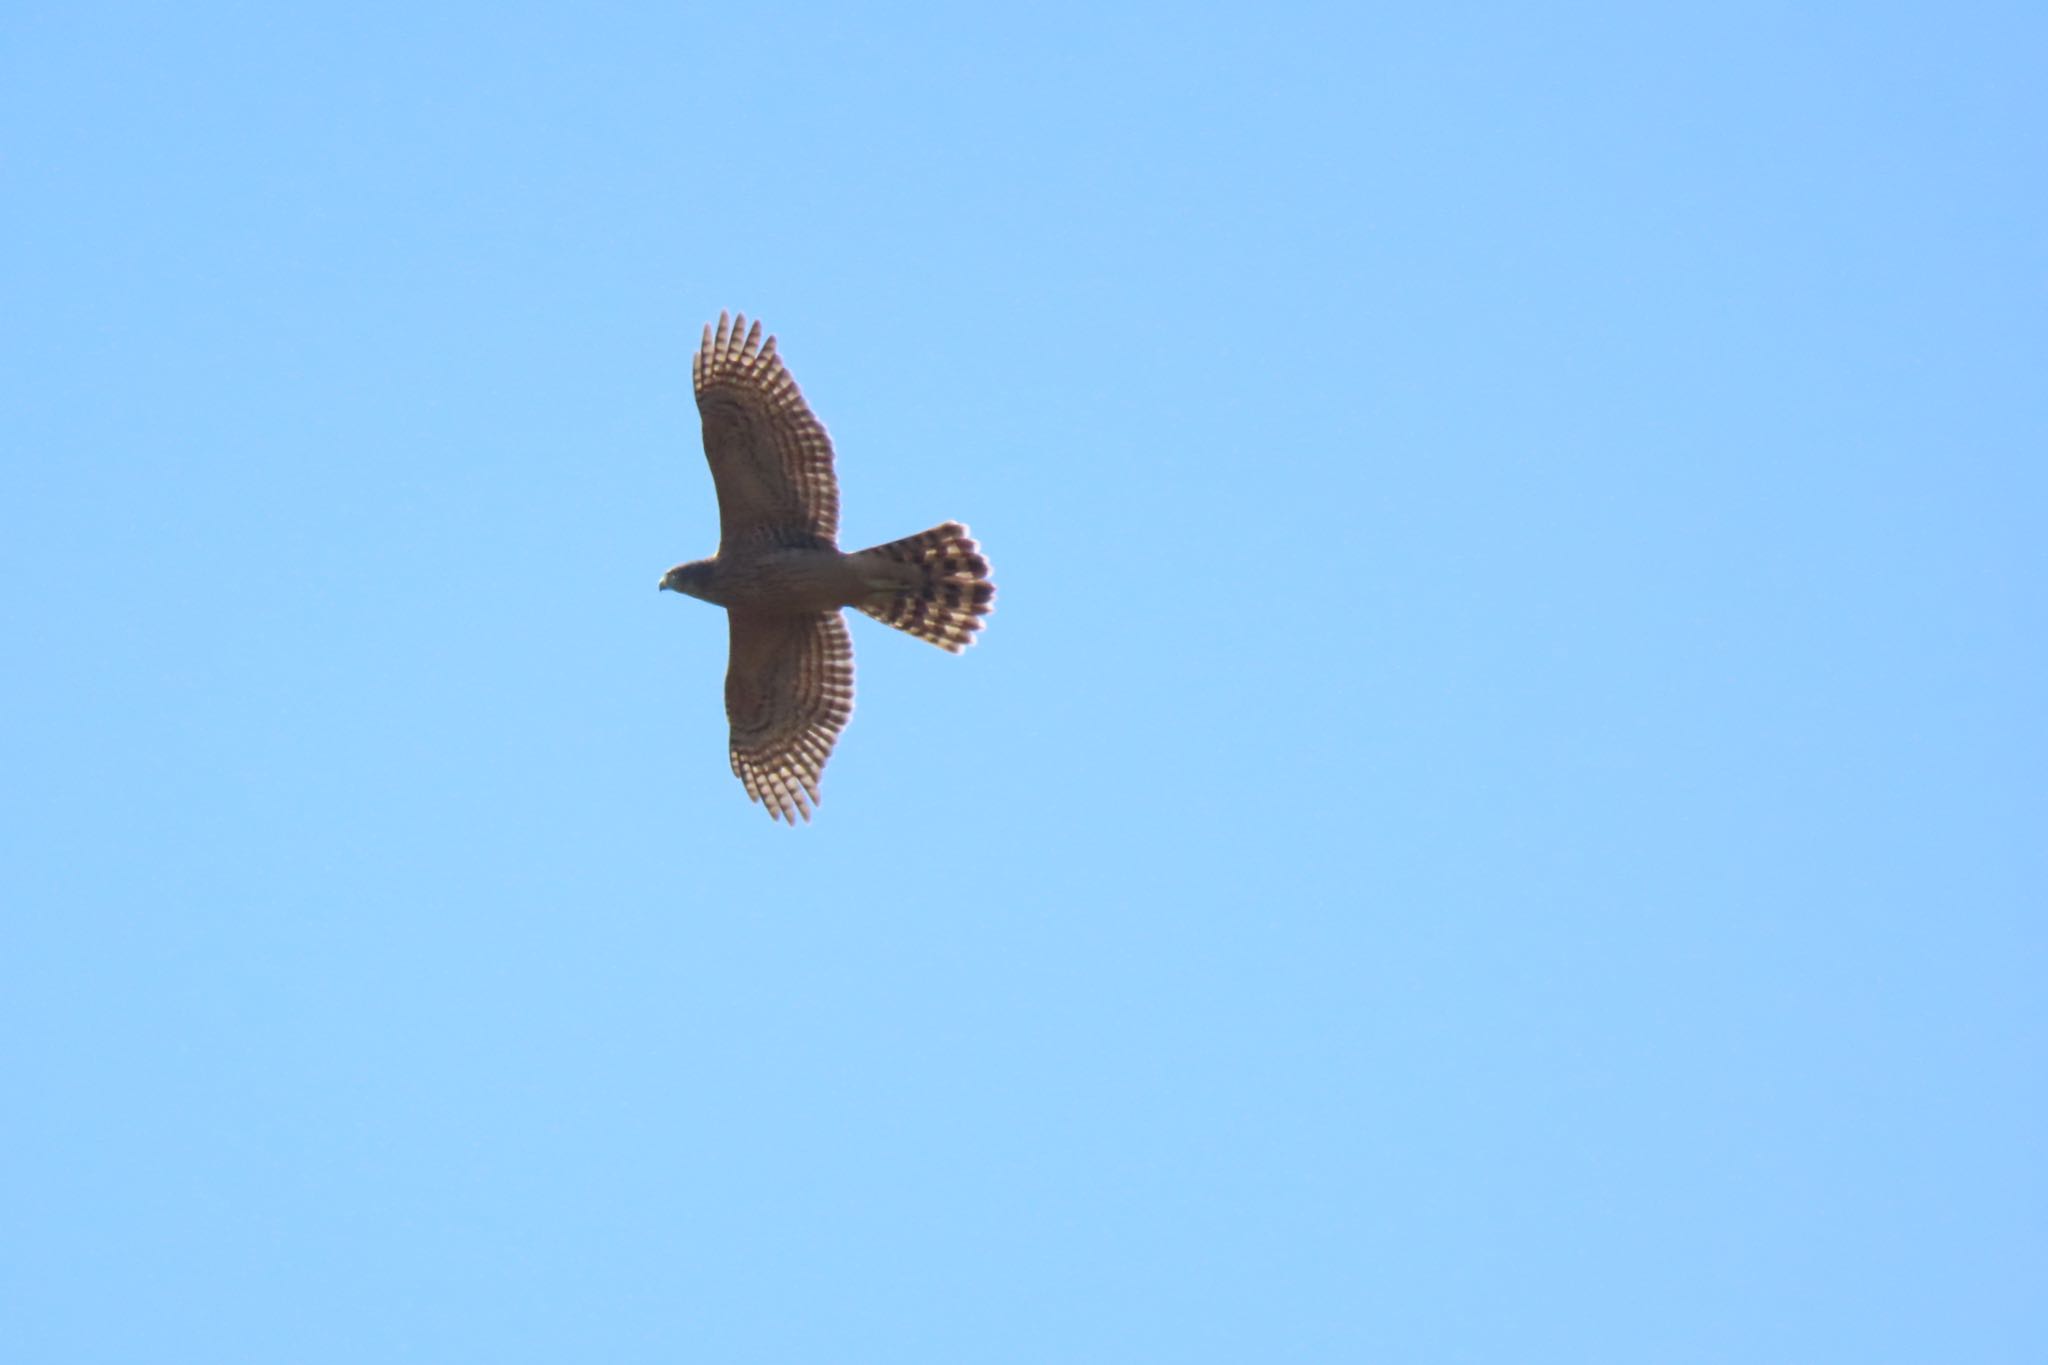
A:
687, 578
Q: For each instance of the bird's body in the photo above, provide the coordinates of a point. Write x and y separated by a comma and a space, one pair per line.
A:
775, 579
782, 579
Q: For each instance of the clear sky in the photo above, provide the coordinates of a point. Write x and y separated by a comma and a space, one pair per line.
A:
1499, 816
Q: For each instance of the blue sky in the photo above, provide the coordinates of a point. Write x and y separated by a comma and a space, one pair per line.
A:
1499, 816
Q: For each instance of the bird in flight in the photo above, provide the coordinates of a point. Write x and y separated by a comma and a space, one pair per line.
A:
782, 579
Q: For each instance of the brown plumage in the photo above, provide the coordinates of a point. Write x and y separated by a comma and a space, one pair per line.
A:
782, 579
951, 593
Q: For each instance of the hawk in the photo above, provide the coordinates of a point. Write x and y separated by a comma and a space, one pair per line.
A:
782, 580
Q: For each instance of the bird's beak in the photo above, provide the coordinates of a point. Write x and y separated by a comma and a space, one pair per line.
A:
662, 584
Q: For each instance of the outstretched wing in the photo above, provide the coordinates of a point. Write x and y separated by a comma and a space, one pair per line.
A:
770, 458
788, 693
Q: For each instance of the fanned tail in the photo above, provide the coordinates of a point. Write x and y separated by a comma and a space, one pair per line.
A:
933, 585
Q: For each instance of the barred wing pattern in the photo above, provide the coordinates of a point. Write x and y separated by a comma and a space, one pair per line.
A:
770, 458
788, 694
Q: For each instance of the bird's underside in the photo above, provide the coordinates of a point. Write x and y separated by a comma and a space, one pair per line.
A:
782, 579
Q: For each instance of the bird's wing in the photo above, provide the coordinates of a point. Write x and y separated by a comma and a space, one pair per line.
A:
770, 458
788, 693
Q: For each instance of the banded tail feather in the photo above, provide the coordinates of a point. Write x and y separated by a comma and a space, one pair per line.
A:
933, 585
